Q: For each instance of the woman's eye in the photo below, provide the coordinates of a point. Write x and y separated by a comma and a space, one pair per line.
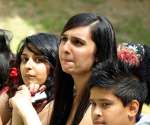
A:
63, 38
24, 59
77, 42
40, 60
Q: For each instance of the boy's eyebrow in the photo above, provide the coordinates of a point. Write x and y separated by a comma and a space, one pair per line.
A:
100, 100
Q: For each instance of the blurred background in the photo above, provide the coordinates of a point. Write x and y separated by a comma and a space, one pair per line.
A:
130, 18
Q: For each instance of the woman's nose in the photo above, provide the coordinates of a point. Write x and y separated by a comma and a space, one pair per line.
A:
66, 47
29, 64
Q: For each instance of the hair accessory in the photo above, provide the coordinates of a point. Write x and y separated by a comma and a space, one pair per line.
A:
130, 53
14, 75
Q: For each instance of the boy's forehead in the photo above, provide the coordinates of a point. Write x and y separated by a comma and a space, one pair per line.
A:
98, 93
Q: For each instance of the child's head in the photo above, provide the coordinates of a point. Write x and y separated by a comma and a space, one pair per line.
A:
117, 97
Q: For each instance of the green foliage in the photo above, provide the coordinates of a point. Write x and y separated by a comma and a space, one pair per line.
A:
134, 29
93, 1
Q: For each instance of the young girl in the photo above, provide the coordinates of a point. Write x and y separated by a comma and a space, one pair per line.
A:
36, 61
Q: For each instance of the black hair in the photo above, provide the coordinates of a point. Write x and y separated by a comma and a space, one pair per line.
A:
6, 56
102, 33
124, 85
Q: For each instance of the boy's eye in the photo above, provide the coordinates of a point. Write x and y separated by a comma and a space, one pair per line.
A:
105, 105
92, 103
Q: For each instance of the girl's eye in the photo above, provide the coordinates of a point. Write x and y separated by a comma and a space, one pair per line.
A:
24, 59
63, 38
40, 60
77, 42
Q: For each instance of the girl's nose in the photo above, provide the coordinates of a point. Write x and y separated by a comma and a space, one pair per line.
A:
66, 47
29, 64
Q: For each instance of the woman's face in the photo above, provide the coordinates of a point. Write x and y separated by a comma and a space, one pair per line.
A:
34, 68
77, 51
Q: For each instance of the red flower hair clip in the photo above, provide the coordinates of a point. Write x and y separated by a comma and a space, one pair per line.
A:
130, 53
14, 75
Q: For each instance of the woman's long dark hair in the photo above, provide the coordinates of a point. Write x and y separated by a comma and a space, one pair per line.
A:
104, 37
6, 56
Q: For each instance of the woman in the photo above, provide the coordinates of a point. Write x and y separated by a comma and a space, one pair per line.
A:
85, 40
36, 60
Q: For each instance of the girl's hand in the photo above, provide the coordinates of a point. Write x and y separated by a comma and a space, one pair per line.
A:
21, 99
34, 88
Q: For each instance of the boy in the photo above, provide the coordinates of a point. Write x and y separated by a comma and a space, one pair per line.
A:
116, 97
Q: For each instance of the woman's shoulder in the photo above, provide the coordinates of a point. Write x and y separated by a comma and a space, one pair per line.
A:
45, 114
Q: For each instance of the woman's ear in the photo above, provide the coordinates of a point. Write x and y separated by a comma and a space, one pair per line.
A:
133, 108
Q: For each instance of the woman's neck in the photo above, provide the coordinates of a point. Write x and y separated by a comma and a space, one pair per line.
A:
80, 84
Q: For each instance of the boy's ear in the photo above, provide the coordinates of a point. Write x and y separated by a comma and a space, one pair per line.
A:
133, 108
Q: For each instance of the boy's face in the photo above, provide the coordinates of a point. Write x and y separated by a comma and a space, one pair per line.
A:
107, 109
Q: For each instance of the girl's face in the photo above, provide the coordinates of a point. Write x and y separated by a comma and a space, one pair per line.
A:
34, 68
77, 51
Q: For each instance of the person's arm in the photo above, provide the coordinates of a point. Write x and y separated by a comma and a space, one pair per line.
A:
26, 116
16, 119
5, 111
1, 121
23, 111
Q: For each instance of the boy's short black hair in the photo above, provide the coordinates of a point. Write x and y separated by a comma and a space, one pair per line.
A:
125, 85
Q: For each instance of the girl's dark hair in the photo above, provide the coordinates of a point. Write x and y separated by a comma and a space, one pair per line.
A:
6, 56
103, 35
44, 44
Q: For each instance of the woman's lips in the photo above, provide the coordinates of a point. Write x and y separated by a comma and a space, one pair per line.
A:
96, 122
